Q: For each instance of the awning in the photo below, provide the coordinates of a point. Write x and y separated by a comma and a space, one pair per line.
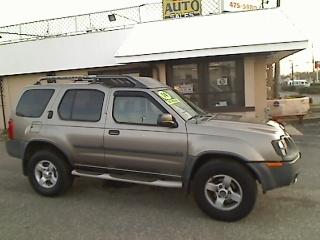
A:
225, 34
61, 53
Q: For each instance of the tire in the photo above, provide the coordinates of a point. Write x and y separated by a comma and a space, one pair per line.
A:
49, 173
225, 190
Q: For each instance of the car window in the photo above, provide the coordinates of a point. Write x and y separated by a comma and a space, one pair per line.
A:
81, 105
184, 108
135, 110
33, 102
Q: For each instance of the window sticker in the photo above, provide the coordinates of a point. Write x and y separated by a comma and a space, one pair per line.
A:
173, 101
168, 98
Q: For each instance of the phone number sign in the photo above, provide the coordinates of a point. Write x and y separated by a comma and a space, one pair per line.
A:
240, 5
181, 8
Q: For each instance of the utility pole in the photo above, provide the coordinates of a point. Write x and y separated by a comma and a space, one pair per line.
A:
276, 92
264, 2
292, 71
316, 69
314, 66
278, 3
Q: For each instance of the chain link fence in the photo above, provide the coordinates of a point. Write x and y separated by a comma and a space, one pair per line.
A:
93, 22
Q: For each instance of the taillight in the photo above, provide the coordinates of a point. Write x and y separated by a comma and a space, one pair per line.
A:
11, 129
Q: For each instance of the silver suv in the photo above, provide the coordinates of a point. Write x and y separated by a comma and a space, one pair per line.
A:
140, 131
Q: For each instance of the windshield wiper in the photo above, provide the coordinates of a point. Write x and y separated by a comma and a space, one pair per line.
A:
194, 117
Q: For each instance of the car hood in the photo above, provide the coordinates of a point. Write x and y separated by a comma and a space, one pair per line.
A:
235, 129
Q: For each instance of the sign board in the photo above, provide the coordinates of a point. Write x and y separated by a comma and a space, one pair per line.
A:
181, 8
240, 5
184, 88
317, 64
222, 81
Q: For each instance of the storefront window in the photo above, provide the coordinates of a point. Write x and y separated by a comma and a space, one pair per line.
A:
186, 81
213, 85
224, 87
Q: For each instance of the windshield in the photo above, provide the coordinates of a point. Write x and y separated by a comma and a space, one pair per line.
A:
183, 106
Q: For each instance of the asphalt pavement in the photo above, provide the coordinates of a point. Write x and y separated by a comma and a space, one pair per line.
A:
95, 209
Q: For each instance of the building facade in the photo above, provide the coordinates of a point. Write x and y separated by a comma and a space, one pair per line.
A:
221, 62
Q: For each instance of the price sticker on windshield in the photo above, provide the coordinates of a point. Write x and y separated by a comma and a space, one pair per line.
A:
168, 98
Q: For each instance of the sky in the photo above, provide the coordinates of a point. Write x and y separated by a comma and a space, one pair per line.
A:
302, 13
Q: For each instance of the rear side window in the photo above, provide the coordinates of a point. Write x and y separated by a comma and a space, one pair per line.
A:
33, 102
81, 105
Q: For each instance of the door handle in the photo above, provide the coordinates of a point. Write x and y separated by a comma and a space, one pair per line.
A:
114, 132
50, 114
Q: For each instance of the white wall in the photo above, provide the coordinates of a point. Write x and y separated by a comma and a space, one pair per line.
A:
61, 53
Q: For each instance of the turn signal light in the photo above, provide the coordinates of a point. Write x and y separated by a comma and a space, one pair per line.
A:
274, 164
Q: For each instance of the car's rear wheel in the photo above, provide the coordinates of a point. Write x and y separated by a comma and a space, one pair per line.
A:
49, 173
225, 190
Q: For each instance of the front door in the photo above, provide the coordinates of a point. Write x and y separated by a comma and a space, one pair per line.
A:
133, 141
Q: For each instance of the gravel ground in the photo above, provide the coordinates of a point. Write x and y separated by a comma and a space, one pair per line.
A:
95, 209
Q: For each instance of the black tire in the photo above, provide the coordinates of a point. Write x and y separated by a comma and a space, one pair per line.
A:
64, 178
242, 177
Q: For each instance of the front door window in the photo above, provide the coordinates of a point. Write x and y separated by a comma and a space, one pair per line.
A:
135, 110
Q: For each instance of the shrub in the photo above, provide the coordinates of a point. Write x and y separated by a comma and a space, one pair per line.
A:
310, 90
294, 96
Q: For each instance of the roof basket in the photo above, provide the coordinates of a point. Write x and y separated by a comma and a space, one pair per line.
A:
107, 80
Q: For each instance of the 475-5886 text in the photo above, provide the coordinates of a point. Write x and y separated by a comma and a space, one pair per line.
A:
242, 6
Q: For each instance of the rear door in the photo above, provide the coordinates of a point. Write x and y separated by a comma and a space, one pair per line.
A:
134, 141
77, 123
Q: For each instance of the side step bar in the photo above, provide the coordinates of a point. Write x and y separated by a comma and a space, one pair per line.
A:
106, 176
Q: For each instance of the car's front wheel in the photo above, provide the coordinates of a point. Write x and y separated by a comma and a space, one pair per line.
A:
49, 174
225, 190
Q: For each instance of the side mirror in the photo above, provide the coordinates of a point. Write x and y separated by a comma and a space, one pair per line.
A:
167, 120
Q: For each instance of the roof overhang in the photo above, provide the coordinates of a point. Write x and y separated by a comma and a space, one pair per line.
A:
216, 35
273, 57
61, 53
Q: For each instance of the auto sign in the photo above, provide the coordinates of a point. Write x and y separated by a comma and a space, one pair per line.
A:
181, 8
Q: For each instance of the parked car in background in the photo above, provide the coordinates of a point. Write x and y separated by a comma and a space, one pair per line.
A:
298, 83
134, 129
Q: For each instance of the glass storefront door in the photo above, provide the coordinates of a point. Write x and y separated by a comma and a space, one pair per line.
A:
224, 86
186, 81
213, 85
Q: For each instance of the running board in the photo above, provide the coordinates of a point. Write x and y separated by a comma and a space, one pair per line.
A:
106, 176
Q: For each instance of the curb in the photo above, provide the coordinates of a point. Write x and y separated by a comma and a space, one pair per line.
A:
307, 119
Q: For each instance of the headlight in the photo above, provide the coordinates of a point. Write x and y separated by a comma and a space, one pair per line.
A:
276, 124
280, 146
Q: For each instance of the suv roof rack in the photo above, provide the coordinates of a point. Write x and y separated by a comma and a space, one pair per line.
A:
107, 80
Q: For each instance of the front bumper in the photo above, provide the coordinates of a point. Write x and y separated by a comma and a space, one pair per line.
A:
271, 178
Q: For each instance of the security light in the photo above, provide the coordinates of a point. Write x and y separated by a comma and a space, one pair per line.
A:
112, 17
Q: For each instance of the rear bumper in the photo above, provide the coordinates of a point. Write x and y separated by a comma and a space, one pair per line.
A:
276, 177
15, 148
